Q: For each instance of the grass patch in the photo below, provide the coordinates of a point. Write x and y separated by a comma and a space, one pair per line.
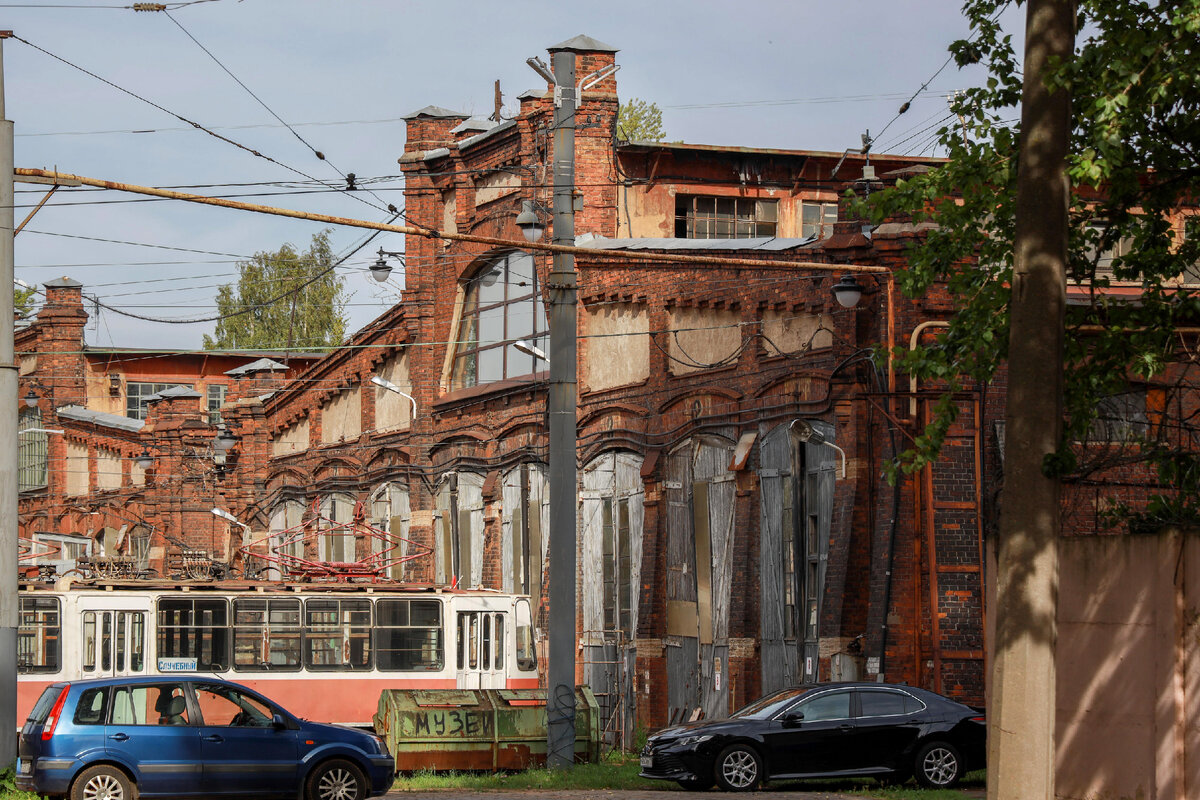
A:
8, 786
616, 771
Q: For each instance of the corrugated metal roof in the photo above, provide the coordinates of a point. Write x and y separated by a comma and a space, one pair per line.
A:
769, 244
102, 418
503, 126
262, 365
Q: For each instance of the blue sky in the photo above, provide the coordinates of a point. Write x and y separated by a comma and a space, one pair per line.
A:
774, 73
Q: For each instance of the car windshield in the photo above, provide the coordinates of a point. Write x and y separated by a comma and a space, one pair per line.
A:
769, 706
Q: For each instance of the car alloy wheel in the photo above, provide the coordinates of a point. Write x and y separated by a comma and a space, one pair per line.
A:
337, 780
103, 783
938, 765
739, 768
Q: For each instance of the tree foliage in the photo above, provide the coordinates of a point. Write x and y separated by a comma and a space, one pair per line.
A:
1134, 170
23, 299
640, 121
283, 299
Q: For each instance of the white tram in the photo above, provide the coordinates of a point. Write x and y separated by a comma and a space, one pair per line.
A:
324, 652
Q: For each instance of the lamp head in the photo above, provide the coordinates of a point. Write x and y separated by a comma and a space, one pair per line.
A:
381, 270
847, 291
528, 222
145, 460
31, 399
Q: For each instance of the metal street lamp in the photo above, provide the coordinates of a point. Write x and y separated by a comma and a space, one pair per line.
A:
384, 383
381, 270
805, 432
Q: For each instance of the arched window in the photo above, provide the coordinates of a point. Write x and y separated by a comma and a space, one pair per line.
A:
286, 517
31, 450
502, 305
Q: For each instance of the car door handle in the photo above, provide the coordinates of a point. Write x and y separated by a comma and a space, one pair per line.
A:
214, 738
845, 728
120, 737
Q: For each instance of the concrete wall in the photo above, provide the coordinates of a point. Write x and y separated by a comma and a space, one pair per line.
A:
1128, 692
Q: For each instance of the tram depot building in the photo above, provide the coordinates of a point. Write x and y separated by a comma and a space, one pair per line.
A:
719, 555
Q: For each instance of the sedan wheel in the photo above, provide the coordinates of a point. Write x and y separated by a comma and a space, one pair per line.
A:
103, 783
337, 780
739, 769
938, 765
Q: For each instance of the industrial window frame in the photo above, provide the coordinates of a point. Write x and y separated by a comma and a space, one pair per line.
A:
725, 217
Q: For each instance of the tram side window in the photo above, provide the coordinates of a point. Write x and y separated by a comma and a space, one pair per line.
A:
526, 657
337, 634
266, 634
194, 628
408, 635
39, 635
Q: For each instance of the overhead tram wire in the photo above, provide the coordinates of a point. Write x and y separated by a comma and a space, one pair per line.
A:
320, 155
194, 124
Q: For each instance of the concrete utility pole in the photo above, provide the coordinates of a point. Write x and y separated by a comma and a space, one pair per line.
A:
8, 446
1021, 719
560, 683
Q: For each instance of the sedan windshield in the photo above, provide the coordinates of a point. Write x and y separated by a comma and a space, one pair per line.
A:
772, 704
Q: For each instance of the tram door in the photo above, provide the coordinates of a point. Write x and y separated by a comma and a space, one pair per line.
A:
113, 636
480, 650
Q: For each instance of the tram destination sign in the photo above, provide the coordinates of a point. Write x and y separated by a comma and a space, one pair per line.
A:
177, 665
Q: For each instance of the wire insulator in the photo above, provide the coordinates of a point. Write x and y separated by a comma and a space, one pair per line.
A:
149, 7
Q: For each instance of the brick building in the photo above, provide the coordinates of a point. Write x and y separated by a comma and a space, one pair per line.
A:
721, 554
91, 416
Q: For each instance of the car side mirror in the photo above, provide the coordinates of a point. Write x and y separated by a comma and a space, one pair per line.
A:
792, 719
278, 722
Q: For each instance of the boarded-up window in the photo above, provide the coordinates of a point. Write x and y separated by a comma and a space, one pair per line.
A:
341, 417
459, 529
793, 332
77, 469
449, 212
337, 541
495, 185
293, 439
393, 411
287, 539
617, 346
108, 469
525, 522
703, 338
32, 450
137, 475
390, 513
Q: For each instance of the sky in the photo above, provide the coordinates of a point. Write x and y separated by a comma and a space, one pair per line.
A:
791, 74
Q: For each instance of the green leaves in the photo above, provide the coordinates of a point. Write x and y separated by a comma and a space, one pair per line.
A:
640, 121
283, 299
1134, 166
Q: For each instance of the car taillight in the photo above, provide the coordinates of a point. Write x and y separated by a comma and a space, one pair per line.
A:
55, 713
980, 718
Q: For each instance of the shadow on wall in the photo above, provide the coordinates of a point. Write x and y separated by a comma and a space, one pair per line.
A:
1128, 691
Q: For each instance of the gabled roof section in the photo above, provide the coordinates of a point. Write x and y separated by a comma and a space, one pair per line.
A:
437, 112
262, 365
583, 43
473, 140
473, 124
173, 392
101, 418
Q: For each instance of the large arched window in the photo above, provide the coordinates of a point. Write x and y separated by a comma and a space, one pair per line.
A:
502, 305
390, 512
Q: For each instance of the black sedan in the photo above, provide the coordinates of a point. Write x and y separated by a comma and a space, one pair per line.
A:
825, 730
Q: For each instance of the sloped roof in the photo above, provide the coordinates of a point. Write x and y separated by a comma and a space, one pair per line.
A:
582, 42
102, 418
174, 391
435, 111
261, 365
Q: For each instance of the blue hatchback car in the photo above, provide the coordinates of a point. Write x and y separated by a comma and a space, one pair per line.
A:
121, 738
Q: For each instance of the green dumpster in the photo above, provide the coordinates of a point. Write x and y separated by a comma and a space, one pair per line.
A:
478, 729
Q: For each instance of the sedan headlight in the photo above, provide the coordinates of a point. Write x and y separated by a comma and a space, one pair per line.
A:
687, 741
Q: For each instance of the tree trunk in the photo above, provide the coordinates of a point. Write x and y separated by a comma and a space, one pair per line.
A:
1021, 718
